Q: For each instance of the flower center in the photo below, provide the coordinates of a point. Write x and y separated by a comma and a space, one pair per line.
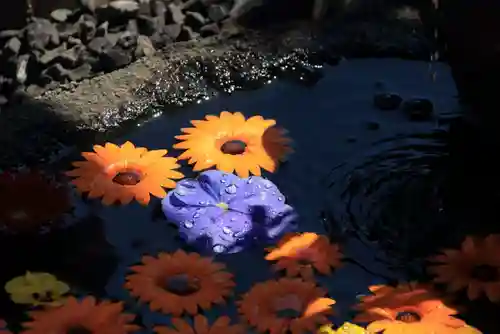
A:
182, 285
485, 273
223, 206
408, 316
288, 306
78, 330
127, 178
45, 297
233, 147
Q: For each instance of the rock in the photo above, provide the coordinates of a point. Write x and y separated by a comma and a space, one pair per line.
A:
72, 41
87, 28
144, 47
210, 30
61, 14
418, 109
22, 68
175, 14
41, 33
92, 5
218, 12
125, 7
149, 25
387, 101
127, 40
173, 31
12, 47
54, 72
115, 58
8, 34
72, 57
158, 8
117, 11
102, 29
195, 20
132, 27
242, 7
49, 55
67, 30
100, 44
187, 34
3, 100
144, 7
82, 72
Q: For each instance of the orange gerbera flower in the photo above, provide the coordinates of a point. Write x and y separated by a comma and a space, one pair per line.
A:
221, 326
232, 143
407, 308
31, 202
85, 316
180, 282
301, 253
285, 305
122, 173
476, 266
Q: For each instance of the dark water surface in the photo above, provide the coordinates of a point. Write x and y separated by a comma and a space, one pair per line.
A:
349, 162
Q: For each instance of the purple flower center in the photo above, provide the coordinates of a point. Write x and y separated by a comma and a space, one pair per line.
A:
182, 285
233, 147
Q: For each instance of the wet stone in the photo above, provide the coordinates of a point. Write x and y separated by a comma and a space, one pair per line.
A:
61, 14
175, 13
41, 33
218, 12
195, 20
387, 101
12, 47
418, 109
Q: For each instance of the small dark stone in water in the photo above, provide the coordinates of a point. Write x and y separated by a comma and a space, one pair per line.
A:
418, 109
128, 178
372, 125
233, 147
387, 101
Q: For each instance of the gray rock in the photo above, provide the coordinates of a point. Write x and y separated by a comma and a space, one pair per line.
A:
22, 68
92, 5
61, 14
127, 40
149, 25
125, 6
3, 100
115, 58
187, 34
210, 29
242, 7
195, 20
87, 28
175, 14
100, 44
67, 30
49, 55
41, 33
12, 47
8, 34
218, 12
173, 31
158, 8
55, 72
144, 47
72, 41
34, 90
102, 29
72, 57
81, 72
144, 7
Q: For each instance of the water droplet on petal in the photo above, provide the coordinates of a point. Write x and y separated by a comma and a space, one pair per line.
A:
233, 219
250, 180
181, 191
202, 203
188, 224
222, 181
231, 189
268, 184
280, 198
196, 215
224, 175
227, 230
219, 248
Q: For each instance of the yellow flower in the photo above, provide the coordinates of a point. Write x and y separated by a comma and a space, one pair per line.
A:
36, 289
346, 328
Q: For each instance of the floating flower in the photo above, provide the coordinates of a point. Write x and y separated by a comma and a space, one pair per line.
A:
301, 253
222, 213
286, 305
36, 289
346, 328
407, 308
179, 282
233, 143
476, 266
31, 202
85, 316
201, 326
122, 173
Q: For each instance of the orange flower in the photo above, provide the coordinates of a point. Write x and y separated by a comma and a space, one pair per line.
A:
285, 305
476, 266
407, 308
301, 253
122, 173
180, 282
220, 326
232, 142
85, 316
31, 202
